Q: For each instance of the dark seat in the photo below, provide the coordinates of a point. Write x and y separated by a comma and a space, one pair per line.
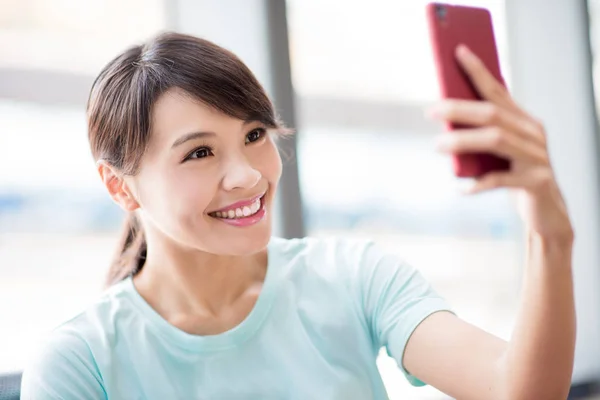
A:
10, 386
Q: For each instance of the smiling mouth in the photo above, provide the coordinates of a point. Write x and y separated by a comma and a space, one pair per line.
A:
241, 212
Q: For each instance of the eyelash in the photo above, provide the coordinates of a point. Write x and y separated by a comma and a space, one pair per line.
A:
262, 132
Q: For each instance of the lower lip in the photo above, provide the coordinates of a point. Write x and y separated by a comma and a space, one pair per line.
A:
247, 221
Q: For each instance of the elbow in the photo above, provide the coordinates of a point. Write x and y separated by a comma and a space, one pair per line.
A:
541, 394
547, 383
541, 390
549, 378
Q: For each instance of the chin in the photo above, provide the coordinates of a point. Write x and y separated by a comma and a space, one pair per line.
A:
243, 245
253, 245
238, 241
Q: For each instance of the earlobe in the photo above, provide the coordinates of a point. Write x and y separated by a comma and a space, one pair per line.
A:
116, 186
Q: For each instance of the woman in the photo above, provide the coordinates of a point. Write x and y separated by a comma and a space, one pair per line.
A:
205, 304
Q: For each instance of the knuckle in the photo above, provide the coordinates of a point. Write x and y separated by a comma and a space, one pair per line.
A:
539, 129
539, 125
497, 137
451, 107
543, 180
542, 159
494, 90
491, 113
494, 181
490, 93
499, 90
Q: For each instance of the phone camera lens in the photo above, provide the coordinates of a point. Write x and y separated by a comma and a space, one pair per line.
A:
440, 11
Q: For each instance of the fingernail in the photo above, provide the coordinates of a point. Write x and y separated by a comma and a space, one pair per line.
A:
441, 142
430, 113
434, 111
465, 186
462, 51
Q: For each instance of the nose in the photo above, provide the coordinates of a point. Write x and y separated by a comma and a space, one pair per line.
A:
240, 174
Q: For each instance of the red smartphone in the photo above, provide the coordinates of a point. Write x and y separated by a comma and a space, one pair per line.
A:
449, 26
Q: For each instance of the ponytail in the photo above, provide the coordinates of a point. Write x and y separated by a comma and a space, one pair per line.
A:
131, 252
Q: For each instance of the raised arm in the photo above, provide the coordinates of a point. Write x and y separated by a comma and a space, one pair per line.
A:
537, 362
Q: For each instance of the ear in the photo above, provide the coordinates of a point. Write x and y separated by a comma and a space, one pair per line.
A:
118, 189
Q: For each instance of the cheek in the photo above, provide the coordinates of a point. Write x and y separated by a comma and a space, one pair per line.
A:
178, 195
191, 190
270, 163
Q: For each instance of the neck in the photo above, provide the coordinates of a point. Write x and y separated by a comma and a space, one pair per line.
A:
175, 280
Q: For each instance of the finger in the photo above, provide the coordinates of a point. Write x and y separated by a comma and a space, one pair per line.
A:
486, 84
491, 140
480, 113
533, 179
495, 180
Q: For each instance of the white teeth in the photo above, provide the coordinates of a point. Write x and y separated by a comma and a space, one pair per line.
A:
255, 206
245, 211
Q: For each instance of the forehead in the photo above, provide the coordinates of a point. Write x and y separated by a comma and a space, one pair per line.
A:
175, 113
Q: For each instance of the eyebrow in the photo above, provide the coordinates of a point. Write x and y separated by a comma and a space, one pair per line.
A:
200, 135
191, 136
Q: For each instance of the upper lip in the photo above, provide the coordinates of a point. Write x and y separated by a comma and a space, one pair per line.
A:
239, 204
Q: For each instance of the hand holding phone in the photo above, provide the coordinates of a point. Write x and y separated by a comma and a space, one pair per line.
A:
501, 130
449, 27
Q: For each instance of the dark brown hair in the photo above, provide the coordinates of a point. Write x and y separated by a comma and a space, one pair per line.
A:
121, 101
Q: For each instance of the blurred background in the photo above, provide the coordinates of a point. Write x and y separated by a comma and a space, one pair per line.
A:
352, 77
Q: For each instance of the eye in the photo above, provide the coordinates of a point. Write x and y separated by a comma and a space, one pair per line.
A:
255, 135
200, 152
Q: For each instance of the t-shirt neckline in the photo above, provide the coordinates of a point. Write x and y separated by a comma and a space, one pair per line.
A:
222, 341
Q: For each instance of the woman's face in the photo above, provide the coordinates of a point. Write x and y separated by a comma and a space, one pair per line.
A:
207, 181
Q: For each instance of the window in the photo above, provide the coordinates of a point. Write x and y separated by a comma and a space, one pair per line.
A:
56, 223
594, 17
362, 73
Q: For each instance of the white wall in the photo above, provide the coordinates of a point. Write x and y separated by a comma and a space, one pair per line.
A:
551, 76
240, 26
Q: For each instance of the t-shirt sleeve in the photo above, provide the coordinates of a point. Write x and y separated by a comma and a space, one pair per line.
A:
395, 299
63, 368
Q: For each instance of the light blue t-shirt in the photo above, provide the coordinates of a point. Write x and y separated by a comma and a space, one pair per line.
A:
326, 308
